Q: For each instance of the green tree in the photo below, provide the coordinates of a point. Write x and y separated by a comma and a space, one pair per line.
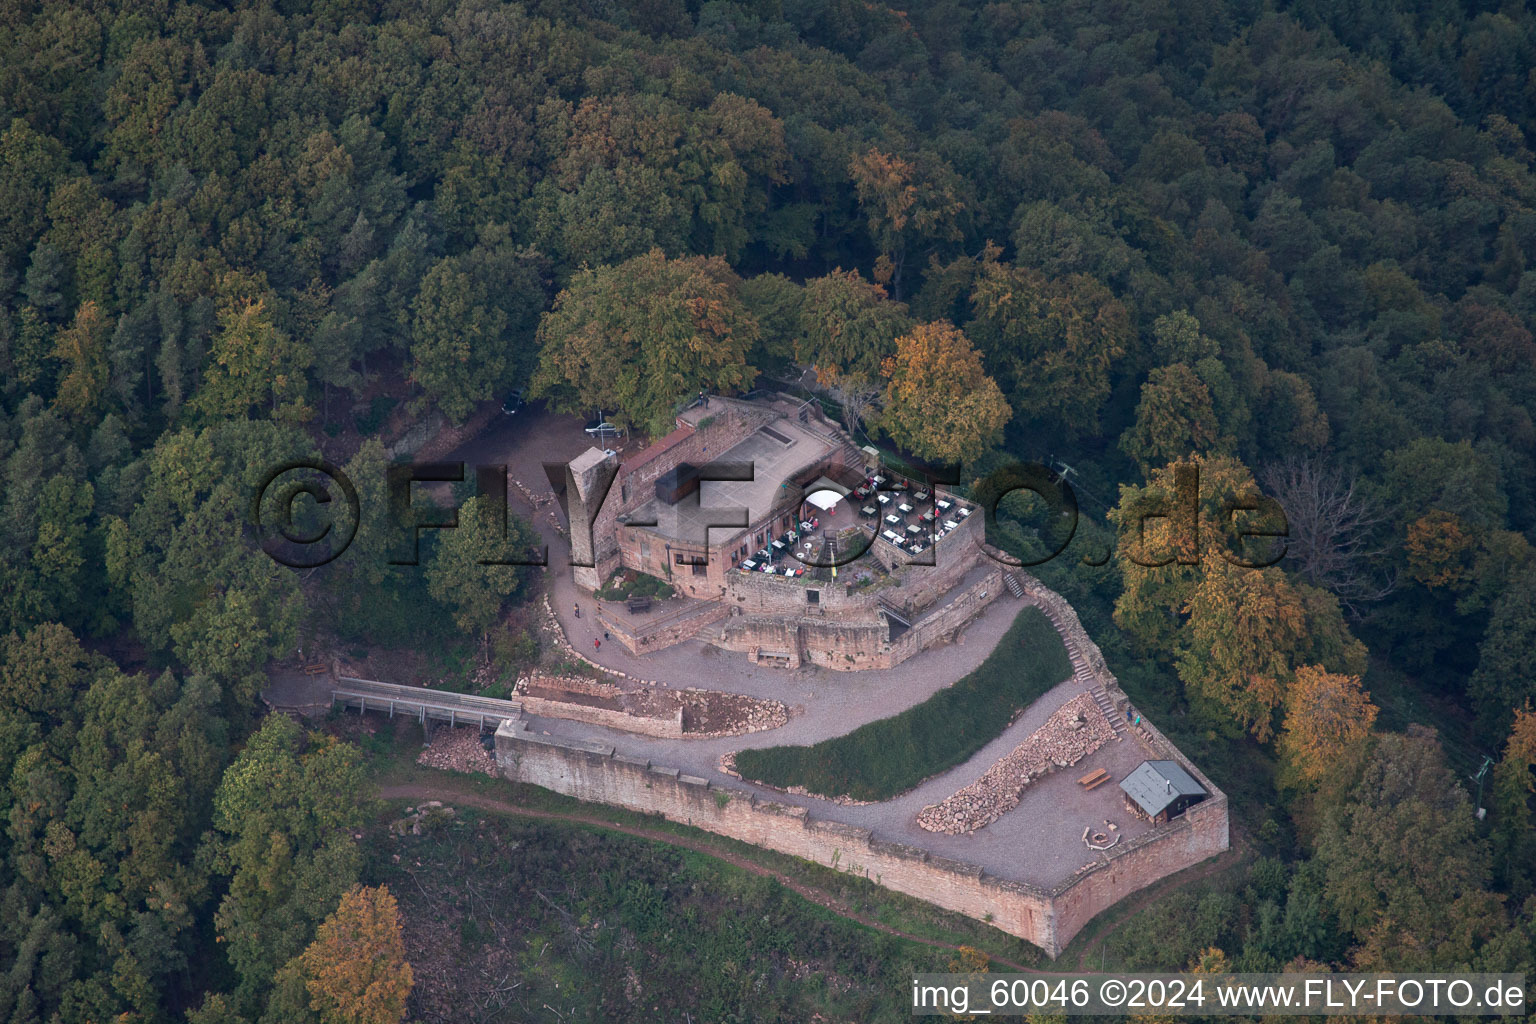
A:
637, 339
1505, 678
848, 329
1050, 343
463, 574
283, 819
1405, 870
1173, 419
253, 363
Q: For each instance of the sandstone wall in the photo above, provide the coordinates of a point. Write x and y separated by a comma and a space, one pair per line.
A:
837, 643
591, 771
667, 728
645, 636
1048, 918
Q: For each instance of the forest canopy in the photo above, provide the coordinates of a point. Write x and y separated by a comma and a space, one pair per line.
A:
1293, 244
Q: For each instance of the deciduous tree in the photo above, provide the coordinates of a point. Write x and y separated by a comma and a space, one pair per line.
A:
637, 339
939, 402
1328, 717
356, 969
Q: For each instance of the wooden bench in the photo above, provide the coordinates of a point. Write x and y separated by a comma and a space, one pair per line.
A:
318, 668
638, 604
1097, 782
1097, 777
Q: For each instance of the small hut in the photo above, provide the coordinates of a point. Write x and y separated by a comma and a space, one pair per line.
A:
1159, 790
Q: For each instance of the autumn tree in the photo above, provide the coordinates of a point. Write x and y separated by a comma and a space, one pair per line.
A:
1514, 783
253, 362
1440, 550
1236, 634
939, 401
1245, 629
82, 348
1174, 418
637, 339
906, 201
1328, 717
356, 969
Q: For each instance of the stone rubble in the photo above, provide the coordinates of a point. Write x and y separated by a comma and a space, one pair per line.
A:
1074, 731
458, 750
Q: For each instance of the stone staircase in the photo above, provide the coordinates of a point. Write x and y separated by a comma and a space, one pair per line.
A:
1080, 670
1012, 583
713, 633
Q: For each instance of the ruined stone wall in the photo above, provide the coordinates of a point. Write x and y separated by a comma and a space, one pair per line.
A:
1199, 833
837, 643
593, 771
1049, 918
670, 727
645, 636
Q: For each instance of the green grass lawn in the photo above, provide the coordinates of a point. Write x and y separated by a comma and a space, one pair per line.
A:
884, 758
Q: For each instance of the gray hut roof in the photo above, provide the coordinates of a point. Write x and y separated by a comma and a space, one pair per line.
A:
1156, 784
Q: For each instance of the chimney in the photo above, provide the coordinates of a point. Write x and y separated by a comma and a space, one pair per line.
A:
1168, 785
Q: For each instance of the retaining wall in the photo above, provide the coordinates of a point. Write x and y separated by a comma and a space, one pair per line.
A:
1047, 917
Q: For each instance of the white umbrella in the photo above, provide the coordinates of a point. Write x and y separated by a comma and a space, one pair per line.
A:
824, 499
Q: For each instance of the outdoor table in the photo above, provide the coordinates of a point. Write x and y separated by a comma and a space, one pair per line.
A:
928, 517
890, 535
778, 545
964, 511
905, 508
916, 549
749, 565
884, 499
867, 510
893, 519
914, 529
950, 524
921, 495
942, 504
877, 481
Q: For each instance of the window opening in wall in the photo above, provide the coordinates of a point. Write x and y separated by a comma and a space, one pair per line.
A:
813, 597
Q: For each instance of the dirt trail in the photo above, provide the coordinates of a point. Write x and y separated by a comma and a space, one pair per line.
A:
820, 897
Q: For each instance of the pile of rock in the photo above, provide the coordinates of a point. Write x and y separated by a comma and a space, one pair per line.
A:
458, 750
1077, 729
717, 713
429, 817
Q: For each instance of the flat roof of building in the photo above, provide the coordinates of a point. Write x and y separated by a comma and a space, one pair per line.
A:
777, 452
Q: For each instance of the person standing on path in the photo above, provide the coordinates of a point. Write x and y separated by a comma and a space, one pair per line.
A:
597, 644
577, 609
